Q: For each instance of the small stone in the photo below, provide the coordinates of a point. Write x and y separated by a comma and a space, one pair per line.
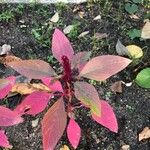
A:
125, 147
35, 122
22, 21
23, 26
68, 29
97, 17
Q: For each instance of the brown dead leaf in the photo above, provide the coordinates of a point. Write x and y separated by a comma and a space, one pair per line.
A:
28, 88
65, 147
8, 58
145, 134
134, 17
116, 87
125, 147
100, 36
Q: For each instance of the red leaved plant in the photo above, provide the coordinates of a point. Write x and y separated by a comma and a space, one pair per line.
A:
7, 116
70, 89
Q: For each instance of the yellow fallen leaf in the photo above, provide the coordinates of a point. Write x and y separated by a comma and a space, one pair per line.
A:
28, 88
134, 51
65, 147
146, 31
145, 134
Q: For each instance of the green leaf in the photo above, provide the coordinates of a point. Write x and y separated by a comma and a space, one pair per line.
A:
143, 78
137, 1
131, 8
134, 33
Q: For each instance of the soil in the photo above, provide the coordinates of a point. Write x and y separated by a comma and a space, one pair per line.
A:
132, 106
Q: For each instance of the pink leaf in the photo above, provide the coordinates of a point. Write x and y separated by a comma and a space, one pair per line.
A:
61, 46
33, 103
53, 125
107, 118
53, 84
73, 133
79, 60
4, 140
102, 67
88, 96
9, 117
6, 86
34, 69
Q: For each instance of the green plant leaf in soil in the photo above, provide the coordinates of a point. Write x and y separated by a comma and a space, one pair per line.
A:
131, 8
143, 78
134, 33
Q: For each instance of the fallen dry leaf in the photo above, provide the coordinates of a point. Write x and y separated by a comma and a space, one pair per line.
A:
125, 147
146, 31
9, 58
134, 17
5, 49
121, 49
145, 134
100, 36
65, 147
28, 88
116, 87
81, 14
55, 18
76, 9
97, 17
83, 34
134, 51
68, 29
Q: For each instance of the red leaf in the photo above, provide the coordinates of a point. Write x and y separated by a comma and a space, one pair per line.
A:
102, 67
4, 140
61, 46
9, 117
53, 84
79, 60
88, 95
107, 118
33, 103
6, 86
34, 69
53, 125
73, 133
